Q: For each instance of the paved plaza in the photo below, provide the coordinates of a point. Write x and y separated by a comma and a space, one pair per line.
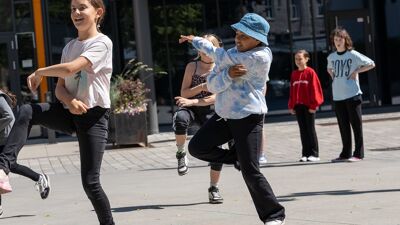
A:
144, 188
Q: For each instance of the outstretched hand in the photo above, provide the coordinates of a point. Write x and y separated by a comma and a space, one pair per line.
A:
184, 38
33, 82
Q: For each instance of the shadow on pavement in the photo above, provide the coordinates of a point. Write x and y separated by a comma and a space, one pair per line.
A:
142, 207
336, 192
16, 216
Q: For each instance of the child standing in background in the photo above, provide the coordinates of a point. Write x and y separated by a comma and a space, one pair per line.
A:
304, 99
344, 65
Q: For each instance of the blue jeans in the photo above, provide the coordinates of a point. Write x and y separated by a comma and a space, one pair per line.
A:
91, 129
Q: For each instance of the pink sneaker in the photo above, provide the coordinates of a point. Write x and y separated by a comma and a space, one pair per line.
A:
355, 159
5, 186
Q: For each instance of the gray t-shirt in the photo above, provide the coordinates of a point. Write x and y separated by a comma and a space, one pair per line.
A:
6, 117
91, 85
343, 65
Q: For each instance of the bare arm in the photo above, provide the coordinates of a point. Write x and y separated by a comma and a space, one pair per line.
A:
184, 102
361, 70
61, 70
186, 90
75, 106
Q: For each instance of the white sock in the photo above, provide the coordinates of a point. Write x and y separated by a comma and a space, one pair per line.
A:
181, 149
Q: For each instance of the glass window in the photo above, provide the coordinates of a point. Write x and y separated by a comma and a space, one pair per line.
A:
263, 8
346, 4
23, 16
4, 66
126, 30
392, 9
5, 16
294, 9
320, 7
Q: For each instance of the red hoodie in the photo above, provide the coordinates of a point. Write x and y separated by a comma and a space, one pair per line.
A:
305, 89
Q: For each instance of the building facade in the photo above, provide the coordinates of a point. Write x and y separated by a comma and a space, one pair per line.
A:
33, 33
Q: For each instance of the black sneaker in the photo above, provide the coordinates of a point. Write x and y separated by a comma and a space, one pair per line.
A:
43, 186
213, 195
182, 163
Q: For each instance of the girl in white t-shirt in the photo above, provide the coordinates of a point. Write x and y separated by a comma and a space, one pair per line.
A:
83, 89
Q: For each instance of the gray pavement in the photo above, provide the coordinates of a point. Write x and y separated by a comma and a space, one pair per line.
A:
144, 188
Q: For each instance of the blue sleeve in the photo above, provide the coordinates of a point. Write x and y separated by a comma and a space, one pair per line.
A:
362, 60
218, 82
219, 55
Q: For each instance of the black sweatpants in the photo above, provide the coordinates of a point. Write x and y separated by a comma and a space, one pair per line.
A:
308, 135
348, 113
91, 129
247, 134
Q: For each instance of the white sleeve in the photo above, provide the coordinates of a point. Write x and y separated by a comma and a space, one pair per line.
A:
96, 53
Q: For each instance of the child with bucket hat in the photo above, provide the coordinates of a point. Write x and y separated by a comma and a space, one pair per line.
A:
238, 80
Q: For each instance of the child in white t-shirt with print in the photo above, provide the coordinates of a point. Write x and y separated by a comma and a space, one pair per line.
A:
83, 88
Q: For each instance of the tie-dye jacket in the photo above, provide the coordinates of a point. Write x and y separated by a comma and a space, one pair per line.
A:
239, 97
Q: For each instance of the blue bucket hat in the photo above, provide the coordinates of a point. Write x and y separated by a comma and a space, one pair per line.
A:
254, 26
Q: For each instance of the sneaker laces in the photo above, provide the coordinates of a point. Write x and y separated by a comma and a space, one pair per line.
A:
182, 162
41, 184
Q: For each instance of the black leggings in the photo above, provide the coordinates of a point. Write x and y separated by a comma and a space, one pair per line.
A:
91, 129
186, 117
23, 170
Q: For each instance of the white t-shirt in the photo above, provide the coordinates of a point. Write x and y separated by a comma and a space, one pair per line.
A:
92, 84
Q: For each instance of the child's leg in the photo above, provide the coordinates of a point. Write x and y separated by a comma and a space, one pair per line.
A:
205, 144
182, 119
311, 134
301, 120
92, 137
53, 116
342, 115
355, 117
213, 192
247, 136
25, 171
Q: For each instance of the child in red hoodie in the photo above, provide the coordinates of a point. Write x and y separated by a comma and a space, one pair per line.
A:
305, 97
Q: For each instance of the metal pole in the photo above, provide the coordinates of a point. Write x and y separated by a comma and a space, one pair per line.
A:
144, 53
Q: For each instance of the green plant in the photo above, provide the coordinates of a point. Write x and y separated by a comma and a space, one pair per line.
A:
128, 92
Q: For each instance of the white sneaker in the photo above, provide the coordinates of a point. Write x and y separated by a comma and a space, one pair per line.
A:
43, 186
313, 159
303, 159
275, 222
262, 159
182, 163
